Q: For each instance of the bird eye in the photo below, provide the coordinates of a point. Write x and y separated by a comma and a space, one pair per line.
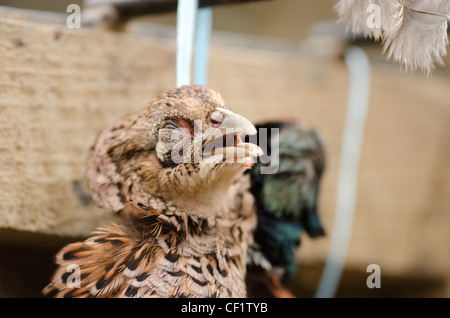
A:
170, 126
168, 132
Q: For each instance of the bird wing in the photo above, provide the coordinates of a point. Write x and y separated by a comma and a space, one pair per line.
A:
109, 264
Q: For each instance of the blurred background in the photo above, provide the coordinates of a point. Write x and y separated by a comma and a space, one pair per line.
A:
268, 59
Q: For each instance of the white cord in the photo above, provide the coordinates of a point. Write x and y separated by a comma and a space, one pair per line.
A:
358, 102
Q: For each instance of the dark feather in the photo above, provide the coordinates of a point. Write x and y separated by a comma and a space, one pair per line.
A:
286, 200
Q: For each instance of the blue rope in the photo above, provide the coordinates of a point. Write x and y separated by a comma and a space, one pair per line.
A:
186, 17
204, 25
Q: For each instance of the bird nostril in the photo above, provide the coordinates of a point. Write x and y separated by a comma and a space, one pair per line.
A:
215, 122
216, 118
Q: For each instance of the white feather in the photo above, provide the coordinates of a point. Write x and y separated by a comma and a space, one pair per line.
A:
358, 13
414, 32
421, 40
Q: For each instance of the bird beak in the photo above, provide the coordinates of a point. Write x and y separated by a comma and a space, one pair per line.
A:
236, 122
226, 140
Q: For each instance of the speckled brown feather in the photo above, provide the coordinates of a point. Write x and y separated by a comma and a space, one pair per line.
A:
164, 246
152, 254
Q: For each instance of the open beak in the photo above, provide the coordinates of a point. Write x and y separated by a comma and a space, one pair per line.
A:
226, 142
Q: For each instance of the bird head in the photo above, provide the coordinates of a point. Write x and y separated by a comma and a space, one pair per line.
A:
186, 148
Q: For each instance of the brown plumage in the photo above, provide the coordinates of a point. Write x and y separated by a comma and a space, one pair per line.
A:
185, 224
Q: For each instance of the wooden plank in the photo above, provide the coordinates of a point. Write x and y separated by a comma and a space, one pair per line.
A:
58, 89
133, 8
